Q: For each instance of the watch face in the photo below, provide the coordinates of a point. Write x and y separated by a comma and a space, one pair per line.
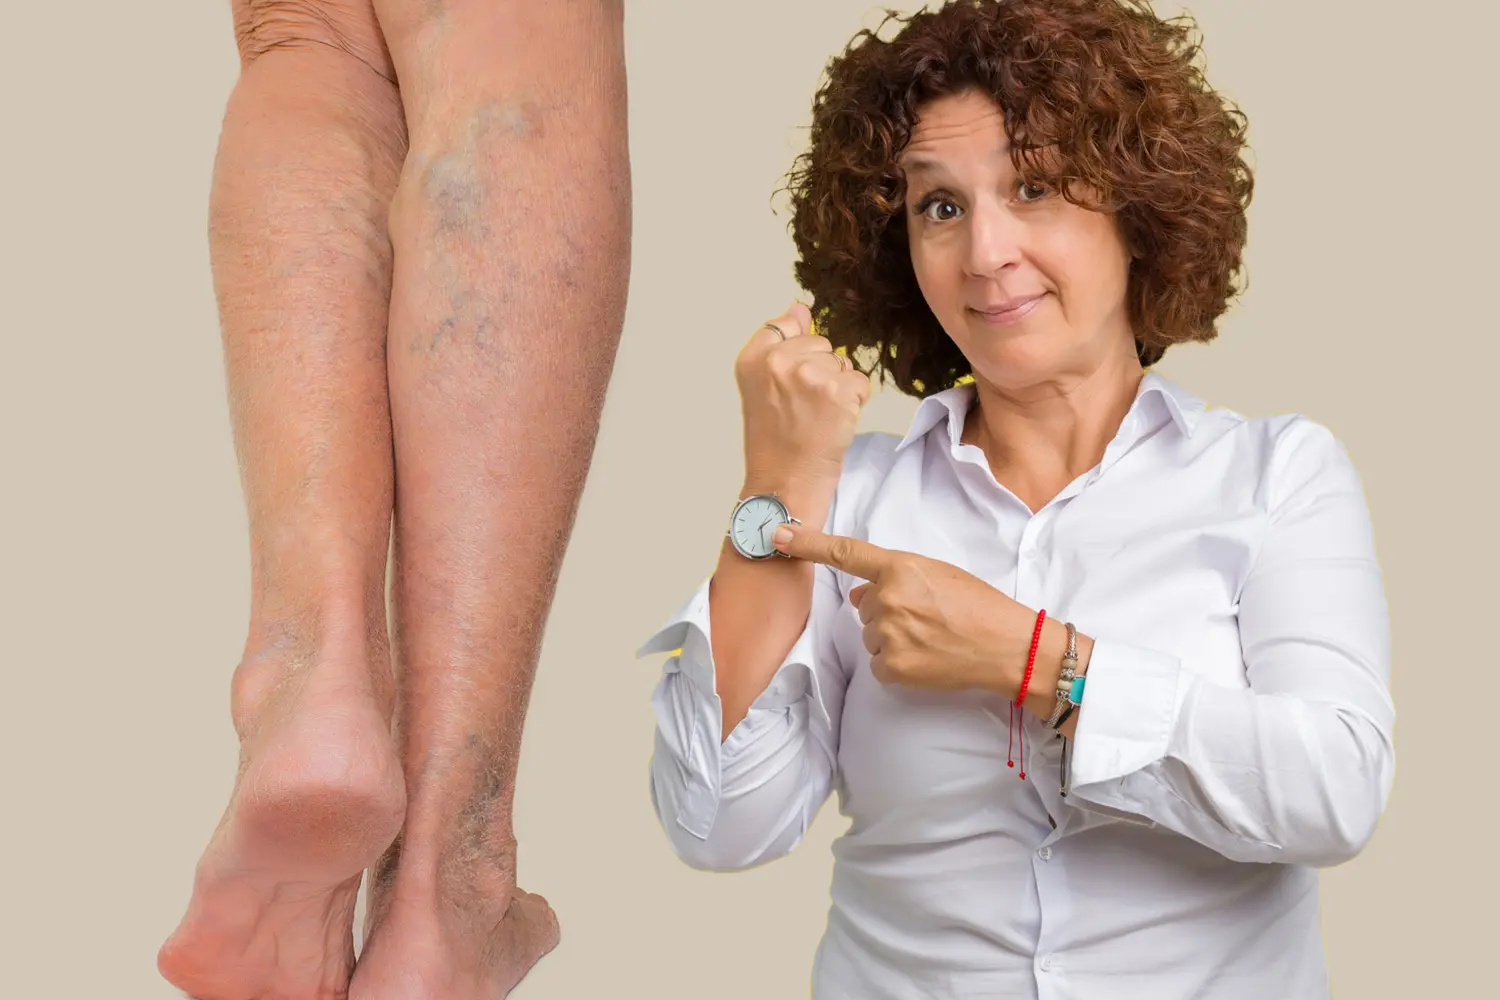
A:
755, 520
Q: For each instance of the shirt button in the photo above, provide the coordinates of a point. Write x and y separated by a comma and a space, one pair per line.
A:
1046, 962
1045, 853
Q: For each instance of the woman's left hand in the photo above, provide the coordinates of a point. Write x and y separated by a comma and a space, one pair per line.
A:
927, 623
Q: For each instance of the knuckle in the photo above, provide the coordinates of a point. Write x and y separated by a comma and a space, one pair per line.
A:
807, 375
840, 549
856, 383
778, 364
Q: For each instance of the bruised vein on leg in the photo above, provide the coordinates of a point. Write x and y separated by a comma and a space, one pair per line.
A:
494, 288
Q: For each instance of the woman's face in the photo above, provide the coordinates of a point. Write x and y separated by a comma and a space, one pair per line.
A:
1029, 286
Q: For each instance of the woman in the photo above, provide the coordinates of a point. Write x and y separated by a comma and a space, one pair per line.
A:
1012, 210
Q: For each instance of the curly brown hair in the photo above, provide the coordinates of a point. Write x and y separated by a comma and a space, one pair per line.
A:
1097, 93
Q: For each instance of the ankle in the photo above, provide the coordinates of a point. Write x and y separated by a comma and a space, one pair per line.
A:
335, 632
456, 884
452, 855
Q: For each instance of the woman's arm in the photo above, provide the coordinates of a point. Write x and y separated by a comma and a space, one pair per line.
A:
748, 708
759, 608
1298, 767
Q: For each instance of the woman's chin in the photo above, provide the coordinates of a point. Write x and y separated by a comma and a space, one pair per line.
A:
1012, 356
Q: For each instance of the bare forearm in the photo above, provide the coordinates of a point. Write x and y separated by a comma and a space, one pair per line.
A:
758, 608
307, 163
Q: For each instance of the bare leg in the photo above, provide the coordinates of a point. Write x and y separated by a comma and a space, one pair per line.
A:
511, 234
309, 157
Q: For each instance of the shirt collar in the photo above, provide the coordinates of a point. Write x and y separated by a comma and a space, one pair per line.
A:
1184, 407
952, 405
949, 405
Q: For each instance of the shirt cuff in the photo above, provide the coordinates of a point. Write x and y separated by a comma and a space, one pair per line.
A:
686, 635
1131, 705
690, 717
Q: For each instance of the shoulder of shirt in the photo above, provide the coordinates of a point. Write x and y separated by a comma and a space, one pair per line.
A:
1284, 434
1295, 453
1281, 434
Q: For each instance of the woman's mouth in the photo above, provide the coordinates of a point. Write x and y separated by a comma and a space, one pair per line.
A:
1009, 312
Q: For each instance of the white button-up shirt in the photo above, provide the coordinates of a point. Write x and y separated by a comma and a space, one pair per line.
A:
1235, 734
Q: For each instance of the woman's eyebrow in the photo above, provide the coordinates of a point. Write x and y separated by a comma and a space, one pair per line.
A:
915, 163
924, 169
922, 164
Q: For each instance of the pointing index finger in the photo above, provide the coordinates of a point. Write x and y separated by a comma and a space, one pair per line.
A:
852, 555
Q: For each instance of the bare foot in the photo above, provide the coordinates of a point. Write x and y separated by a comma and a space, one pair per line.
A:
319, 796
421, 951
445, 919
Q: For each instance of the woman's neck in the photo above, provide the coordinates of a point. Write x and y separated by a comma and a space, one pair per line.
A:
1038, 438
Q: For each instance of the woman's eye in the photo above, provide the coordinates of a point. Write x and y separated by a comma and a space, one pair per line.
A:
941, 210
1030, 192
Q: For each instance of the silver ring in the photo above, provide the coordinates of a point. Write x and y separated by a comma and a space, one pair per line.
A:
772, 326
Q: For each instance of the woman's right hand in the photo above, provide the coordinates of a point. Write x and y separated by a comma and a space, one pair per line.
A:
801, 403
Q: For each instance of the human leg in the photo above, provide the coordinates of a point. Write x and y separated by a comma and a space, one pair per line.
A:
309, 156
511, 235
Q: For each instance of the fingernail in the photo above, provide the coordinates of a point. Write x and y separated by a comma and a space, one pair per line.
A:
782, 536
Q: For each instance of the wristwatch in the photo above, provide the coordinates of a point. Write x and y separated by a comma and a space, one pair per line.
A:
754, 521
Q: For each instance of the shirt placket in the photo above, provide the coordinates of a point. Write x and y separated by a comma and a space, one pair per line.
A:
1043, 762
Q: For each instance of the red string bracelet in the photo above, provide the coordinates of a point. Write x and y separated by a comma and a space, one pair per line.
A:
1015, 706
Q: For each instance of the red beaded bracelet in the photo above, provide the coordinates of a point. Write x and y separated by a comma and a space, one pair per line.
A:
1036, 641
1015, 706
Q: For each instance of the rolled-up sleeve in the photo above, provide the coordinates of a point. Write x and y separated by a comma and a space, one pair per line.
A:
751, 798
1297, 767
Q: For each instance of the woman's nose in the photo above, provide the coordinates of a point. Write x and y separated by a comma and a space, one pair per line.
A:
996, 239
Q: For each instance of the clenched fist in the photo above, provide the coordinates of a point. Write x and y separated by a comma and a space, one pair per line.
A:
800, 401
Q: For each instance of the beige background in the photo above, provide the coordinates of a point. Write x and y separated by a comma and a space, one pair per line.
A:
124, 558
